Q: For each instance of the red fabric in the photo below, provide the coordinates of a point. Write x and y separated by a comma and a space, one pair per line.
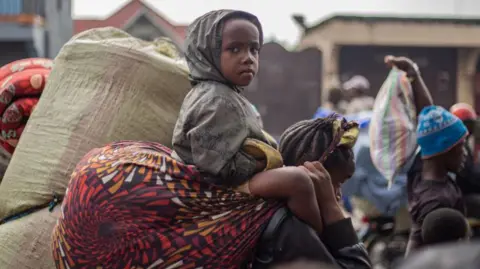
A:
14, 119
24, 64
21, 84
463, 111
130, 205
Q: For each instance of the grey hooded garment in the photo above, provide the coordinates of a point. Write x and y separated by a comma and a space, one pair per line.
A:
215, 119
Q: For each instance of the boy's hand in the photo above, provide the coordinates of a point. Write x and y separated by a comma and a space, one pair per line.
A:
322, 181
261, 165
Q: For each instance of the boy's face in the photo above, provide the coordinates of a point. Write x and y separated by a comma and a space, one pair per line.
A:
455, 158
240, 47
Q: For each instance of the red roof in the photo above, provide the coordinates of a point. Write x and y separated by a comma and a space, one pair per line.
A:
122, 16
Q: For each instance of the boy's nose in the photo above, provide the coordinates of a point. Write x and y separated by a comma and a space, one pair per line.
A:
248, 59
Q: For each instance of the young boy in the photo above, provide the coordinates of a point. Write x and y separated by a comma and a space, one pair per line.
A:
444, 225
441, 137
222, 50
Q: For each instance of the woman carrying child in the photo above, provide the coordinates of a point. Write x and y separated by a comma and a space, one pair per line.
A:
206, 203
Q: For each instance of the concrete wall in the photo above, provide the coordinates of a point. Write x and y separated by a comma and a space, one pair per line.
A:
58, 26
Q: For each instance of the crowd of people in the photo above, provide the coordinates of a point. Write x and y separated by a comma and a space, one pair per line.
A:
227, 195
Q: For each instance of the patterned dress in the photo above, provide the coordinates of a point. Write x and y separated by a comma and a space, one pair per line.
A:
130, 205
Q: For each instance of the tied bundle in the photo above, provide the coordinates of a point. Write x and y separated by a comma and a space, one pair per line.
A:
21, 84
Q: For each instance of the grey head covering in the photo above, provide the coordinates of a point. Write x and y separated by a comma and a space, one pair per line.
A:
204, 43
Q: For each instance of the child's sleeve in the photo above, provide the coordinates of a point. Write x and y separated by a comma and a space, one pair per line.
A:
218, 131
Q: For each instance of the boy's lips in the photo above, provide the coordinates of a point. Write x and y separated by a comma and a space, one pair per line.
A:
247, 71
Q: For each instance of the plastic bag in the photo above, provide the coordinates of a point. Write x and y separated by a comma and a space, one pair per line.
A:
392, 134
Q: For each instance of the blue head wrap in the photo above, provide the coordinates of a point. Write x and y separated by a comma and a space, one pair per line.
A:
438, 131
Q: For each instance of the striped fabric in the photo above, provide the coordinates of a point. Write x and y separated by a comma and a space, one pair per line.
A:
393, 125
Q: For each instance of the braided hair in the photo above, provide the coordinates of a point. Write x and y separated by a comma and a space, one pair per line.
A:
308, 140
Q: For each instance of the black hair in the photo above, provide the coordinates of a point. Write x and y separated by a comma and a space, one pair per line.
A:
470, 124
444, 225
335, 95
308, 140
242, 15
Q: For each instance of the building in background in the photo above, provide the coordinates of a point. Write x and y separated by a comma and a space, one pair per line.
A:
139, 19
446, 49
33, 28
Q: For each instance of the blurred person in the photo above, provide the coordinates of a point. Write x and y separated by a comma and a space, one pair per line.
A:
336, 101
441, 137
469, 177
465, 255
444, 225
369, 192
357, 89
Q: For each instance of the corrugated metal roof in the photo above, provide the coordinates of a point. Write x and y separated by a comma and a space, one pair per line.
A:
385, 18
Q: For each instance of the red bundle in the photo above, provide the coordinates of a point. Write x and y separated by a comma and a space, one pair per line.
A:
21, 84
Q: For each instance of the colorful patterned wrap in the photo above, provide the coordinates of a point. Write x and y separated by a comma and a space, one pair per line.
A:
130, 205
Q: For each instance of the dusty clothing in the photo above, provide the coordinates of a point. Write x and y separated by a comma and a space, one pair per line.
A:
424, 196
215, 119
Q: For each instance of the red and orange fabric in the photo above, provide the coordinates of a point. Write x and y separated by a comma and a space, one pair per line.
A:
130, 205
21, 84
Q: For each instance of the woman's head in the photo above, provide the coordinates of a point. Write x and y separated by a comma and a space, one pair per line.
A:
310, 140
466, 114
335, 96
441, 137
223, 46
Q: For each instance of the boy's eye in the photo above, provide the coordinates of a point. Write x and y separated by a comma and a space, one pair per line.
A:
254, 50
235, 50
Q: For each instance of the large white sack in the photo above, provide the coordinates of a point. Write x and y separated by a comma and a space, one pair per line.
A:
105, 86
25, 243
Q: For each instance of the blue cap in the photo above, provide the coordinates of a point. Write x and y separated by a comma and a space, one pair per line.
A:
438, 131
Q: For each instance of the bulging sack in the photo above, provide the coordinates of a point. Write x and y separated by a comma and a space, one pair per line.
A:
105, 86
25, 243
392, 128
